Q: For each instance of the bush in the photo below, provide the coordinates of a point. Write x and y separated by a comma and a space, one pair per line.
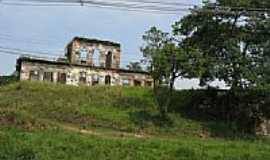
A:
26, 154
243, 107
4, 80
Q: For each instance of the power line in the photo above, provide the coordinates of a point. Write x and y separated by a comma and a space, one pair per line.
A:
20, 52
31, 54
157, 3
49, 58
147, 7
37, 5
33, 38
118, 8
26, 51
16, 53
140, 10
163, 3
142, 5
237, 8
122, 5
232, 9
122, 1
43, 42
40, 43
29, 42
10, 52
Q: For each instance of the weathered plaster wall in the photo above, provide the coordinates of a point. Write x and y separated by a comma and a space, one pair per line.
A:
103, 49
73, 74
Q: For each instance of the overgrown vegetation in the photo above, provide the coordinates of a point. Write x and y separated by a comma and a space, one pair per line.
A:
4, 80
230, 46
52, 121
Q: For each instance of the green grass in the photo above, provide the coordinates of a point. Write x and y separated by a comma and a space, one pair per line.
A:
51, 121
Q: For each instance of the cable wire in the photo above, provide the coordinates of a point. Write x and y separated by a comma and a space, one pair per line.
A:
135, 6
21, 52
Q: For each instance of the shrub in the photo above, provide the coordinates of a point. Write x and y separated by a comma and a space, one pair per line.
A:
4, 80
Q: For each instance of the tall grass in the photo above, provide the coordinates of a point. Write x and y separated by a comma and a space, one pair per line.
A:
59, 144
34, 121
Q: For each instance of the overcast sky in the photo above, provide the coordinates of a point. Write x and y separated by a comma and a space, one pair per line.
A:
49, 29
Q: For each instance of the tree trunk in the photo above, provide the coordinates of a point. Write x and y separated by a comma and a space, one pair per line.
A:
170, 94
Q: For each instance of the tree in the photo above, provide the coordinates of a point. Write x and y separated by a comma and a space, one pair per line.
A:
231, 45
135, 66
225, 43
158, 51
167, 61
181, 62
154, 41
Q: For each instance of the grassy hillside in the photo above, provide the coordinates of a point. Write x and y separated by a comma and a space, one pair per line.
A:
48, 121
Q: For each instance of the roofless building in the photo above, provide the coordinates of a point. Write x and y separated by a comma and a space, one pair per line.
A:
88, 62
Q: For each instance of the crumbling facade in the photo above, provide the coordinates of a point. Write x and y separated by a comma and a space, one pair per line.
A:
80, 67
82, 51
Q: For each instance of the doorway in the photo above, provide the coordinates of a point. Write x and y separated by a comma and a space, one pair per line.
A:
108, 80
109, 60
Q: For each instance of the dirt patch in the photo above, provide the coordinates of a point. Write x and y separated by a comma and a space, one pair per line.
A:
115, 134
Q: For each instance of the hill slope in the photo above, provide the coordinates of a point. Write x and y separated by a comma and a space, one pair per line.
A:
48, 121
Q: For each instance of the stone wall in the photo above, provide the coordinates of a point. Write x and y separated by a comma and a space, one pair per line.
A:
108, 52
76, 75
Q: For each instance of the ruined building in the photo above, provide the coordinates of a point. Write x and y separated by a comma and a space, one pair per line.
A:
87, 61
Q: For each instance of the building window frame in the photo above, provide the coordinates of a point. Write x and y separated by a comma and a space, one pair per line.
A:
82, 78
48, 76
61, 77
126, 82
137, 83
34, 75
108, 80
95, 79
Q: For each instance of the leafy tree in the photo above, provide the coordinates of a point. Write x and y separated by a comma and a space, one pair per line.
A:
159, 52
135, 66
231, 45
154, 41
226, 48
167, 61
179, 63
